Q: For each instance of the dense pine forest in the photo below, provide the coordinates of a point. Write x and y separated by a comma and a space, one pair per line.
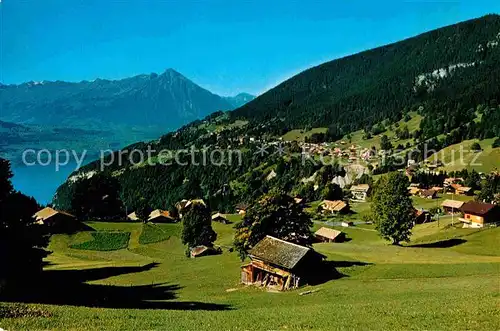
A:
364, 89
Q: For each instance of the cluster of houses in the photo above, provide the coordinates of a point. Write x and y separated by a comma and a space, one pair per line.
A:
475, 214
353, 153
451, 186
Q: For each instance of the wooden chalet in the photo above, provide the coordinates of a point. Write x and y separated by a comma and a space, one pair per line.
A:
452, 206
183, 205
221, 218
452, 180
202, 250
329, 235
156, 216
478, 214
133, 217
279, 264
460, 190
241, 208
334, 207
360, 192
438, 189
422, 216
161, 216
414, 190
298, 200
58, 221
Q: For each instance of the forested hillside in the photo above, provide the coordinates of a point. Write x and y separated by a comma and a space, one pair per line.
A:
168, 99
449, 78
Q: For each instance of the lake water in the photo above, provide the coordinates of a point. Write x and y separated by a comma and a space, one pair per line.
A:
40, 182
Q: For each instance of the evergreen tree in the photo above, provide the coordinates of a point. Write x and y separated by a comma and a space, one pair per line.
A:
392, 208
22, 242
332, 192
143, 210
385, 144
97, 197
197, 226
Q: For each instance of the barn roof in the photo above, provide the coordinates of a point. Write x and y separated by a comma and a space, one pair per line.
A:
48, 212
279, 252
477, 208
336, 205
360, 188
428, 193
194, 202
413, 190
242, 206
217, 215
452, 204
328, 233
159, 213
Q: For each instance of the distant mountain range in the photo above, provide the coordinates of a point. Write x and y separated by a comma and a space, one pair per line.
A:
239, 99
168, 100
115, 112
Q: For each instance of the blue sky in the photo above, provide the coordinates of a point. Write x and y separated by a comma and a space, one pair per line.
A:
225, 46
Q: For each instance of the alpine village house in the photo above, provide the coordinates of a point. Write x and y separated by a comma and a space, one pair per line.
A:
279, 265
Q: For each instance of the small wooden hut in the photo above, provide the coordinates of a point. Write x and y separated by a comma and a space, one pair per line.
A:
279, 264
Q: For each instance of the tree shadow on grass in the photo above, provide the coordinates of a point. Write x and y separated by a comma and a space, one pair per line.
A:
441, 244
69, 287
328, 271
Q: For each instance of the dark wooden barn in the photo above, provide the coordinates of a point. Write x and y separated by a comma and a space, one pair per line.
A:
279, 264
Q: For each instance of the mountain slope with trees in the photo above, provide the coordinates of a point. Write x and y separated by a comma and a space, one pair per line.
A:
448, 77
442, 73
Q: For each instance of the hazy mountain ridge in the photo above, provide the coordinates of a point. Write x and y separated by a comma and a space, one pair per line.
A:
240, 99
101, 113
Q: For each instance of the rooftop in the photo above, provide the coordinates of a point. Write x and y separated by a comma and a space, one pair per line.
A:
328, 233
48, 212
478, 208
452, 204
279, 252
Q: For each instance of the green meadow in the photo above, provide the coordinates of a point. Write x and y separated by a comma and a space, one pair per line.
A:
447, 278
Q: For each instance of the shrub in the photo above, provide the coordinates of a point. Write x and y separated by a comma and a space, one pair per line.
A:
496, 143
475, 147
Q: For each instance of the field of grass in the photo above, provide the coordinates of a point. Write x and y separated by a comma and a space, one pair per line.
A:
460, 156
105, 241
152, 233
378, 286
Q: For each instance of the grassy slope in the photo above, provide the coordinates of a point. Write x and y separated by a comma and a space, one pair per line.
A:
398, 288
357, 136
300, 135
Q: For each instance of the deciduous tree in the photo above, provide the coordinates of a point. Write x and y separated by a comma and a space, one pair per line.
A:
277, 215
392, 208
